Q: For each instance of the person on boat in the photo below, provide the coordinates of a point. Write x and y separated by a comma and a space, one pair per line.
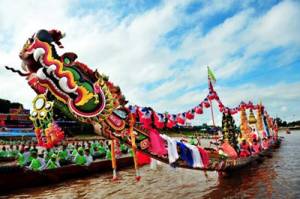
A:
271, 141
256, 148
254, 135
240, 138
88, 157
40, 157
63, 156
48, 154
27, 155
52, 163
193, 141
101, 148
108, 154
124, 148
244, 149
34, 149
100, 151
3, 152
80, 159
91, 147
10, 151
265, 143
21, 159
74, 152
97, 154
35, 164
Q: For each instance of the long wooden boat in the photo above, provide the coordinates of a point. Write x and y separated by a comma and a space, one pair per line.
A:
15, 177
235, 164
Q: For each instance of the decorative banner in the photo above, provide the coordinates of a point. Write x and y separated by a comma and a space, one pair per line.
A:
190, 115
145, 116
198, 109
161, 120
171, 121
181, 118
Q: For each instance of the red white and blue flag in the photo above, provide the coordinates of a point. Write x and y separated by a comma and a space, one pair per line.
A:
190, 115
145, 116
159, 120
171, 121
181, 118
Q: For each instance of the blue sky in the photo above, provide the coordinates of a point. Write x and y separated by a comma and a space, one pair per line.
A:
158, 51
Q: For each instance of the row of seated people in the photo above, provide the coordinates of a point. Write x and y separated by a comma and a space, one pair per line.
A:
246, 149
83, 153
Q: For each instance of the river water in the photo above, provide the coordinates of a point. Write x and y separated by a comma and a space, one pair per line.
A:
276, 177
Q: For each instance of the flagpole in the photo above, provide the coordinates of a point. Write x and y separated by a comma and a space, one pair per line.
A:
210, 88
212, 110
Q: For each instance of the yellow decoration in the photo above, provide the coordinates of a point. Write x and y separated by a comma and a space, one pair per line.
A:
245, 129
260, 126
86, 96
252, 119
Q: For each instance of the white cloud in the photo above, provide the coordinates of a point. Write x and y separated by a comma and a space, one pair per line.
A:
127, 50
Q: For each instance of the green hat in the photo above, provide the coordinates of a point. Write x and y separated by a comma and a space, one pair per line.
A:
80, 149
53, 156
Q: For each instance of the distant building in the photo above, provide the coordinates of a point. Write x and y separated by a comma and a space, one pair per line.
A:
16, 118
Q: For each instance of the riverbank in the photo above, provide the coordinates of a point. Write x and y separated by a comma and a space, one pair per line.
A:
291, 128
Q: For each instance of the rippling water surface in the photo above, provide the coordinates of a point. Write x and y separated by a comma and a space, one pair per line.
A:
276, 177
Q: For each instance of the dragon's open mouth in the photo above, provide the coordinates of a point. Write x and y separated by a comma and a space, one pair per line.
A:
67, 80
49, 75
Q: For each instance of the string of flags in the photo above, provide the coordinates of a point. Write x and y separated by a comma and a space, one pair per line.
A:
148, 116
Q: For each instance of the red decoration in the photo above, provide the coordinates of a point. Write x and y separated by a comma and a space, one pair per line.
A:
190, 115
198, 110
171, 121
145, 116
159, 120
181, 118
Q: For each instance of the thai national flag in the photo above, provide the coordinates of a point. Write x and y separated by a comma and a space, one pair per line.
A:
145, 116
159, 120
190, 115
133, 110
171, 121
212, 95
198, 109
181, 118
206, 103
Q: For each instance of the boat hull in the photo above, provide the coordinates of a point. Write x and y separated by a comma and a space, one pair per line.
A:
15, 177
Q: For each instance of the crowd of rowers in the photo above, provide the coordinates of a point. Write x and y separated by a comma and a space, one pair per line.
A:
80, 153
248, 147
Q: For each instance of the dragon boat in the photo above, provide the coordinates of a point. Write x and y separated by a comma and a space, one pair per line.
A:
79, 93
15, 177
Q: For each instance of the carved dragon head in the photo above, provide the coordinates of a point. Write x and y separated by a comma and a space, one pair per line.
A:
69, 81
